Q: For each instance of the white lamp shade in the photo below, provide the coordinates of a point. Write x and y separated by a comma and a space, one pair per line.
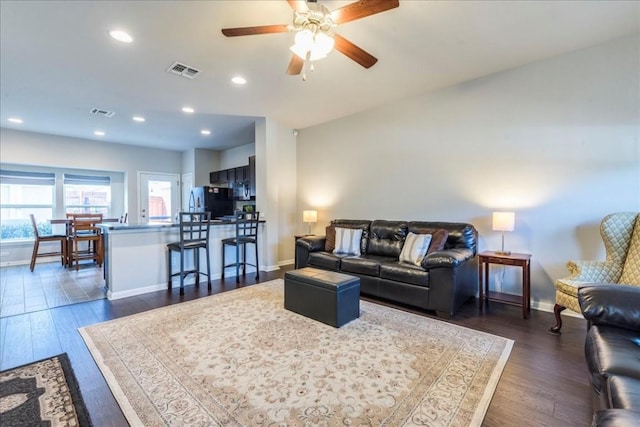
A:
318, 44
309, 216
504, 221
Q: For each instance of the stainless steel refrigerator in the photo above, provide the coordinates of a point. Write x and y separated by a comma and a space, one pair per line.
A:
217, 200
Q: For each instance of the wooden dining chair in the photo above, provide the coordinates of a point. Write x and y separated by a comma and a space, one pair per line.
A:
83, 229
46, 238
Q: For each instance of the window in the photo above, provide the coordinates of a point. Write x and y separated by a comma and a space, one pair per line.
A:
87, 194
21, 194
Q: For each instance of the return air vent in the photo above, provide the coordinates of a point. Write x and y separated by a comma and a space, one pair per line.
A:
100, 112
183, 70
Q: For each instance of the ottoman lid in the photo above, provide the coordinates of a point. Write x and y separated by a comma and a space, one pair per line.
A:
323, 278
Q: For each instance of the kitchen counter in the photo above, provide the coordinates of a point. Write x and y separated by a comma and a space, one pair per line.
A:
155, 226
136, 255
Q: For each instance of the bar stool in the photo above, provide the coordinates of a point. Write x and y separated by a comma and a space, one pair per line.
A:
194, 235
46, 238
246, 232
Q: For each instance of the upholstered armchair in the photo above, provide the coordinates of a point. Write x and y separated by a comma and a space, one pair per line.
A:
621, 235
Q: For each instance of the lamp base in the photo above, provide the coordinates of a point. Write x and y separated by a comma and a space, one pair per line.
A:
503, 252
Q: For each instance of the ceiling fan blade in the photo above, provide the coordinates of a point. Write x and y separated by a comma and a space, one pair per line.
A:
295, 65
250, 31
352, 51
298, 5
362, 8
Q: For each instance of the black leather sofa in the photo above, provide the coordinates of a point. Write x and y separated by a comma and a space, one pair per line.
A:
445, 279
612, 351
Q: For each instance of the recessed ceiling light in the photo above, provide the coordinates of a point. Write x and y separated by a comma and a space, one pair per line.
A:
138, 118
121, 36
99, 133
188, 110
205, 132
239, 80
15, 120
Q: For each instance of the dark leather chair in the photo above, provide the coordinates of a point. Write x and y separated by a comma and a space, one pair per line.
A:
194, 236
246, 232
47, 238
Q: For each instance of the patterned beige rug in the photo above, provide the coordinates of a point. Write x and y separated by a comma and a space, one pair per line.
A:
240, 359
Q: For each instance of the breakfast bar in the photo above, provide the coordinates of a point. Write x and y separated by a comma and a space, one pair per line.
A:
135, 255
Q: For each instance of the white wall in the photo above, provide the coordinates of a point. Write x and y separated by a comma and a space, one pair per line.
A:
206, 161
37, 149
289, 220
236, 157
557, 141
276, 189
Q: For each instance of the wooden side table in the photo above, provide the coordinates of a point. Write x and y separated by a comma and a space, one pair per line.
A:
514, 259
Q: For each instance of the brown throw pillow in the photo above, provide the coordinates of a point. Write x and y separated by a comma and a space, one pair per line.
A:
438, 240
330, 238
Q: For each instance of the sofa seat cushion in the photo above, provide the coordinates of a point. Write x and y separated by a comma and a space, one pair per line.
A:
361, 265
611, 351
404, 272
623, 392
325, 260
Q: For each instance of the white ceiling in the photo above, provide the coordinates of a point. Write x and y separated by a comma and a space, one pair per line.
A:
58, 62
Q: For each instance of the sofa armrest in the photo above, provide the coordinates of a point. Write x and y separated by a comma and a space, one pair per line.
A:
594, 271
447, 258
312, 243
611, 305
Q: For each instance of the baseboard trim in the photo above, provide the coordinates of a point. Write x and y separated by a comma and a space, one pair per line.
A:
548, 307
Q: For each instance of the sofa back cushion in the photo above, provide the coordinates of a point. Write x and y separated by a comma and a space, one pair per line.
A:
460, 235
387, 238
355, 223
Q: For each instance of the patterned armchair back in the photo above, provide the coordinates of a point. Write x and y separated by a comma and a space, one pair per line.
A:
616, 230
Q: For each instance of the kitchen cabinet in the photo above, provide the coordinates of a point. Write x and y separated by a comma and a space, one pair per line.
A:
252, 177
241, 174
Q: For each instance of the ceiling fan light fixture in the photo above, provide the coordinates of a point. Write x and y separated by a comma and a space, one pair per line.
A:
317, 45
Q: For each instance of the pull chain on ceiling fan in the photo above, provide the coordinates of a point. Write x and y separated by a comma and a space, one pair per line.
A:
314, 26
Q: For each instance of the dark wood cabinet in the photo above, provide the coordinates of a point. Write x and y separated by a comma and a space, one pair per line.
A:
252, 177
244, 174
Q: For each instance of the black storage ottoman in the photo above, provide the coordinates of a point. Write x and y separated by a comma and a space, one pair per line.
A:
326, 296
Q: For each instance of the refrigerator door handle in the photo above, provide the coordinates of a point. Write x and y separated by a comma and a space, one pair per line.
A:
192, 203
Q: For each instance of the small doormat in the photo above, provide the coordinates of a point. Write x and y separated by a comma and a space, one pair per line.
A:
42, 393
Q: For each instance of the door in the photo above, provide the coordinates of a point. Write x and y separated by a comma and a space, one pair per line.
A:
158, 197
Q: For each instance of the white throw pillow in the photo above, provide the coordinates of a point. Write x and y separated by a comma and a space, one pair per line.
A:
348, 241
415, 248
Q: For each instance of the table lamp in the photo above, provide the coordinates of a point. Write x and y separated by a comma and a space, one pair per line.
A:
503, 221
309, 217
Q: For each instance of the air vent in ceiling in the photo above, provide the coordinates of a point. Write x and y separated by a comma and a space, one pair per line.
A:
183, 70
101, 112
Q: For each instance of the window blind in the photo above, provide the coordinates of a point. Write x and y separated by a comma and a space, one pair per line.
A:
86, 179
27, 178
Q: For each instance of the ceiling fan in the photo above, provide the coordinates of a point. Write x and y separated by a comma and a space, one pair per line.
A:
314, 26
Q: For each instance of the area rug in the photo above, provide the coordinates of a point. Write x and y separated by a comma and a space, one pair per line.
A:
43, 393
240, 359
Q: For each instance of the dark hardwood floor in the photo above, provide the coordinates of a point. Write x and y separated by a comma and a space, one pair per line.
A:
544, 382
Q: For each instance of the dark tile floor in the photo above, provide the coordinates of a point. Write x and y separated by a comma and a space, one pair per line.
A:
50, 285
